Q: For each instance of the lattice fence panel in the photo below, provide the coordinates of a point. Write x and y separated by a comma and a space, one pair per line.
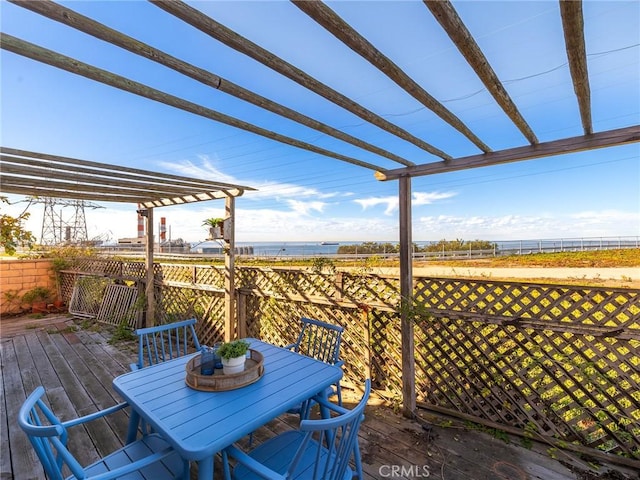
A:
559, 360
67, 281
174, 303
120, 305
278, 322
273, 321
288, 283
213, 276
385, 345
590, 306
101, 266
368, 288
176, 273
136, 271
355, 343
575, 387
87, 295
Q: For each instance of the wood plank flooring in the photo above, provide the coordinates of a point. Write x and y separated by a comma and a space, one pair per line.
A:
76, 365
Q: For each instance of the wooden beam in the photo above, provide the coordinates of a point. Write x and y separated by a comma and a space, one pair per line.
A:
335, 25
87, 185
406, 300
56, 162
448, 18
87, 25
227, 36
96, 182
573, 26
47, 188
611, 138
49, 192
72, 65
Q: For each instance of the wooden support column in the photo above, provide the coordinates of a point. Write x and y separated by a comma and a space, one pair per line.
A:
406, 295
150, 318
231, 330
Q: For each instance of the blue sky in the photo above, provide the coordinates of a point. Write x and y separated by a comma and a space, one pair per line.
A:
302, 196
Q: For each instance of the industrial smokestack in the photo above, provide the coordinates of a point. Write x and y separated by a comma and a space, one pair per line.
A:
140, 226
163, 229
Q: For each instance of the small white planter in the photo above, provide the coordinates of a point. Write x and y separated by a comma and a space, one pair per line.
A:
233, 365
215, 233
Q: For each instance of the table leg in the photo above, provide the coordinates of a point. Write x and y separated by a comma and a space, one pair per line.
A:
132, 430
324, 411
205, 468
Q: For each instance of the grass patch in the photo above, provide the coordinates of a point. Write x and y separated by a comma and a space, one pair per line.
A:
629, 257
122, 333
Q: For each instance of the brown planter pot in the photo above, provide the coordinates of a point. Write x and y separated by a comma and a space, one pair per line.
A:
58, 306
39, 307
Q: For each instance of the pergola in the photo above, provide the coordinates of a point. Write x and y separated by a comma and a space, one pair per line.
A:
43, 175
443, 11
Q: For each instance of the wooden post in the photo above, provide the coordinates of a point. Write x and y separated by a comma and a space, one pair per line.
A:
149, 290
231, 331
241, 307
406, 299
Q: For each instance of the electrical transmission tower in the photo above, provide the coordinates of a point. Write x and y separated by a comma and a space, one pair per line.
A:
60, 227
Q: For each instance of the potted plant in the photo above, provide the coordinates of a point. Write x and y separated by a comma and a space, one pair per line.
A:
38, 298
216, 227
233, 355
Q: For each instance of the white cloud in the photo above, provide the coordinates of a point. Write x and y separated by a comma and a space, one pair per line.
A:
427, 198
269, 189
297, 223
280, 191
305, 208
521, 227
391, 203
206, 170
609, 216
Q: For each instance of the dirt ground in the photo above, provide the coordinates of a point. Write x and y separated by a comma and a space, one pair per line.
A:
622, 277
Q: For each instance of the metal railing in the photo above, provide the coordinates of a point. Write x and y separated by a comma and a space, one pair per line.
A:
500, 248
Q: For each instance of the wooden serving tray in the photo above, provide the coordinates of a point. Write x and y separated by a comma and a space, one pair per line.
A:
219, 382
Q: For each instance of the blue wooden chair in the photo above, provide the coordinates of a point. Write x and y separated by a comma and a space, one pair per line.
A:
319, 450
165, 342
319, 340
149, 457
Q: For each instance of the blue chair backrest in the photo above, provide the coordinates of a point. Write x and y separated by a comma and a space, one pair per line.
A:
48, 436
335, 440
319, 340
164, 342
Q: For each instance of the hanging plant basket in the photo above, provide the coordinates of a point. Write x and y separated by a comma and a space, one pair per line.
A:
216, 228
215, 233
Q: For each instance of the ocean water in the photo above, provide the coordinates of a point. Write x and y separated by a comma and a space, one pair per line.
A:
315, 249
281, 249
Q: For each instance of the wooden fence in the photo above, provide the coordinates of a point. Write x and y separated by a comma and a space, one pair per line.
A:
550, 361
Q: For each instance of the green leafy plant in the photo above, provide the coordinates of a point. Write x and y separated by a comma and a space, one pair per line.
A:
12, 301
37, 294
320, 264
234, 349
213, 222
122, 333
216, 228
414, 310
12, 231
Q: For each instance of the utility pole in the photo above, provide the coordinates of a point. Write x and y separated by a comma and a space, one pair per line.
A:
58, 228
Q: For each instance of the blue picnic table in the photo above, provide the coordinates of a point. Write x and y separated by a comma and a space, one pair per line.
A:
198, 424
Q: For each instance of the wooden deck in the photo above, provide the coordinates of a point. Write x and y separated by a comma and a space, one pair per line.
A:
76, 366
